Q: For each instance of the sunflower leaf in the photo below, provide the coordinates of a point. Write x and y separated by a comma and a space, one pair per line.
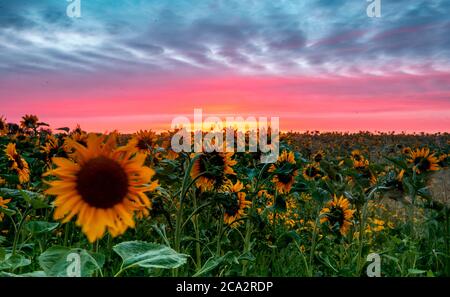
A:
39, 227
148, 255
215, 261
36, 200
12, 262
29, 274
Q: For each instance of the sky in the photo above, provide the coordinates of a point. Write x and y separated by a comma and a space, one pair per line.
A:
315, 64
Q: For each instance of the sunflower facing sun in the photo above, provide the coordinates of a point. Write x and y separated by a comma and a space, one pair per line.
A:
17, 163
103, 188
236, 205
423, 161
214, 167
284, 172
338, 214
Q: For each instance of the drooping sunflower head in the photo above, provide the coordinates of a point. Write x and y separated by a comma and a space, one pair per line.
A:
29, 121
235, 205
318, 156
103, 187
423, 161
214, 168
143, 141
3, 126
17, 163
338, 214
3, 204
312, 172
284, 172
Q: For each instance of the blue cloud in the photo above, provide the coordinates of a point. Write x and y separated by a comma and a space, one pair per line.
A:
286, 37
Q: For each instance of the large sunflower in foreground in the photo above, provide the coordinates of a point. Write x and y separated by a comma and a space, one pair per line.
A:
284, 172
338, 214
17, 163
214, 167
103, 188
236, 205
423, 161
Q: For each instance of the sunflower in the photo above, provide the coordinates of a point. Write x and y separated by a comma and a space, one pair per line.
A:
3, 205
78, 136
312, 172
406, 150
284, 171
103, 188
361, 163
214, 167
442, 161
51, 146
338, 213
143, 141
318, 156
423, 161
236, 205
356, 155
18, 164
29, 121
3, 126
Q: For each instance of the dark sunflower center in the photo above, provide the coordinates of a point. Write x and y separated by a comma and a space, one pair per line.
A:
312, 172
144, 144
318, 158
336, 215
2, 125
213, 164
284, 178
357, 157
233, 206
422, 163
102, 183
18, 161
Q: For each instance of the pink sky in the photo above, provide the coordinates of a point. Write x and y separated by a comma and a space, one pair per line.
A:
399, 102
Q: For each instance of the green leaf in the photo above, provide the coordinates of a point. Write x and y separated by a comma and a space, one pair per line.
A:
215, 261
36, 200
7, 211
148, 255
56, 261
29, 274
39, 227
12, 262
416, 271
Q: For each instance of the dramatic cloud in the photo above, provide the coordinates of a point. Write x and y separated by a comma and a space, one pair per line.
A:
305, 53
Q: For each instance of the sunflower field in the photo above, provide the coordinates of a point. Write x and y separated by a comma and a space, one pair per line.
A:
128, 205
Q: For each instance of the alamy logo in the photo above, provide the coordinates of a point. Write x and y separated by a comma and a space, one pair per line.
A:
374, 268
74, 267
374, 9
213, 135
74, 9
